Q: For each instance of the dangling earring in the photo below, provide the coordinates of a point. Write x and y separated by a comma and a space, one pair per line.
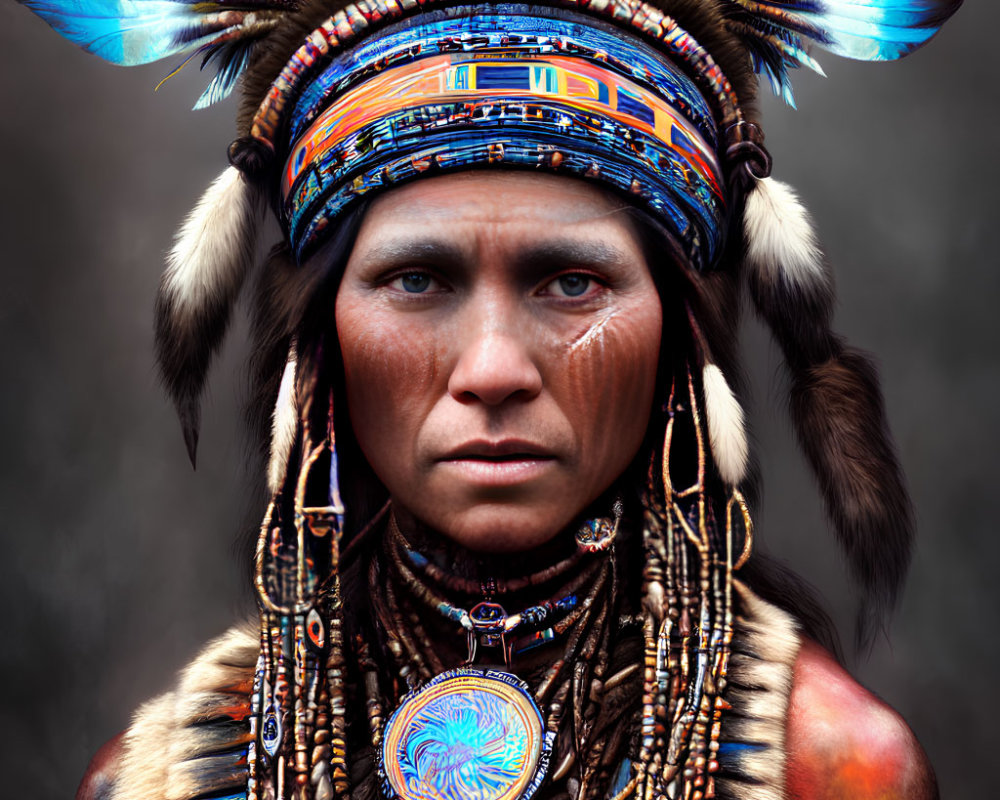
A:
688, 616
298, 716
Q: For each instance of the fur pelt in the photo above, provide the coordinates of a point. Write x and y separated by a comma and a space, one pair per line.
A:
214, 251
835, 400
726, 433
284, 427
839, 417
781, 243
761, 670
191, 742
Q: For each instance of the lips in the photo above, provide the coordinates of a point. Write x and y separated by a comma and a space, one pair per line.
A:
505, 450
505, 463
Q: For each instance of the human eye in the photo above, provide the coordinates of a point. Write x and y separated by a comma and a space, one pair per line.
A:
572, 286
414, 282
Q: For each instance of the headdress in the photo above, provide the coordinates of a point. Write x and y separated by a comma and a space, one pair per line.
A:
650, 100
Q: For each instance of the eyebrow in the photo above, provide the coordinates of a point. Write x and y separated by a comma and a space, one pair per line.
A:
404, 251
571, 252
537, 256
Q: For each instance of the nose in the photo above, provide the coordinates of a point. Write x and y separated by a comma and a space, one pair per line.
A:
494, 365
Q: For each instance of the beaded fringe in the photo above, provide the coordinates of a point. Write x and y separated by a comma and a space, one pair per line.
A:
688, 619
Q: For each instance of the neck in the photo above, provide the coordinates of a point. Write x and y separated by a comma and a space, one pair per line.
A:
479, 566
449, 603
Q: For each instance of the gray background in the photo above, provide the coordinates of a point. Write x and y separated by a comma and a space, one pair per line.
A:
118, 561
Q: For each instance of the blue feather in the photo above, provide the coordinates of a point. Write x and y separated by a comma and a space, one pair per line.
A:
869, 30
233, 60
131, 32
879, 30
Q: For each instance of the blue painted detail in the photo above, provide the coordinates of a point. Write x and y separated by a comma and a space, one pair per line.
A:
503, 78
620, 778
731, 754
635, 107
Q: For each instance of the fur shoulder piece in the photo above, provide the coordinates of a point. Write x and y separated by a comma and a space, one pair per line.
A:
192, 741
752, 754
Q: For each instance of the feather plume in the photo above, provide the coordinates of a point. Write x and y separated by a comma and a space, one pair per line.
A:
284, 426
232, 59
132, 32
206, 269
777, 33
726, 432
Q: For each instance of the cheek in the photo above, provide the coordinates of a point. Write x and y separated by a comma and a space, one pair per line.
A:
610, 378
389, 371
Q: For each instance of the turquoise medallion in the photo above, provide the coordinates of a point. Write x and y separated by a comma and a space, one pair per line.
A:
468, 734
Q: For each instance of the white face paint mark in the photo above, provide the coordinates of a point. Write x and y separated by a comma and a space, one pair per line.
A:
594, 335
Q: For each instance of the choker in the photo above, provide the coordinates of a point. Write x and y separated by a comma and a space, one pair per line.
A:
485, 618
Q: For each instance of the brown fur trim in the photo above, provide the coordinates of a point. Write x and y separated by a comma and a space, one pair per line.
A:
838, 412
839, 416
212, 256
798, 314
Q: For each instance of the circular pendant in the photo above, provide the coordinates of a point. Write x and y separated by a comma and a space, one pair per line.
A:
469, 734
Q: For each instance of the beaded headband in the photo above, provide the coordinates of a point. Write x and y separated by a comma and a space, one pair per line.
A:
358, 19
504, 86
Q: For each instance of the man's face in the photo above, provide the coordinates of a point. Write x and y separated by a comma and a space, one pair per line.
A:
500, 337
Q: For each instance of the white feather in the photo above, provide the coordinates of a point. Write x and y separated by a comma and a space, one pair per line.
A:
215, 247
726, 432
284, 424
781, 242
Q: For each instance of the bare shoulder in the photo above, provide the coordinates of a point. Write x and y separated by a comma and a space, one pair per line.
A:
100, 775
846, 744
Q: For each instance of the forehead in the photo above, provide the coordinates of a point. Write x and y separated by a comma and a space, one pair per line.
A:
507, 207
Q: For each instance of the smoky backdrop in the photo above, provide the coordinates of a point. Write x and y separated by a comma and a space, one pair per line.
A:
118, 561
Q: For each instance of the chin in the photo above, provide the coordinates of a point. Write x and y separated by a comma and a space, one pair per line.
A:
501, 527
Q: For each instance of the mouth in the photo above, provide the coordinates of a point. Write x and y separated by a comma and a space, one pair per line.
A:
504, 451
502, 463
